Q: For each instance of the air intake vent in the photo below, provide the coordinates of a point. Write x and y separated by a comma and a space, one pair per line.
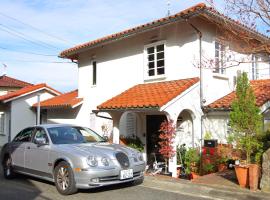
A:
122, 159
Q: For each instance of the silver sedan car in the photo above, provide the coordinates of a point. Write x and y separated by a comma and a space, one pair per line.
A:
72, 157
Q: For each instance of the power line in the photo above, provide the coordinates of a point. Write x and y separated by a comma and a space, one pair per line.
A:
27, 52
25, 37
37, 29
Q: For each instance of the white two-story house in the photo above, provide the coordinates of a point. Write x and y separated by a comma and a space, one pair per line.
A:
133, 80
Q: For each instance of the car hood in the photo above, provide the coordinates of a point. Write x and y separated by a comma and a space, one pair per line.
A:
99, 149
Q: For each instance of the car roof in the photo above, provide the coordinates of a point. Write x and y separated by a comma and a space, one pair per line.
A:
53, 125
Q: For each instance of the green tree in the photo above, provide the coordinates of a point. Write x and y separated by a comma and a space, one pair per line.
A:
245, 118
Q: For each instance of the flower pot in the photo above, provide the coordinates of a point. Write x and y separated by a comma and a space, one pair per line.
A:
194, 175
242, 175
254, 174
222, 167
178, 172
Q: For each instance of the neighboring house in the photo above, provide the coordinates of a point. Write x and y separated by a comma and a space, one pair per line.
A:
63, 108
139, 77
217, 113
16, 109
9, 84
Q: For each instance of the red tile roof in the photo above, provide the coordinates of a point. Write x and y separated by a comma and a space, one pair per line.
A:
26, 90
151, 95
197, 10
261, 89
6, 81
69, 99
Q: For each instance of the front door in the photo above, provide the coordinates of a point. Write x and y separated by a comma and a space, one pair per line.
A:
153, 123
37, 156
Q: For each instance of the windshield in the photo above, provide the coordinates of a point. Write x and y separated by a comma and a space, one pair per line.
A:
73, 135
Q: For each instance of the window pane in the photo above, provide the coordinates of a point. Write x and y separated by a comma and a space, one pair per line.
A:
24, 136
151, 65
160, 63
150, 50
160, 55
151, 57
151, 72
160, 48
160, 71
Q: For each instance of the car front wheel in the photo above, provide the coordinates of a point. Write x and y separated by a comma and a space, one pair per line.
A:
7, 168
64, 179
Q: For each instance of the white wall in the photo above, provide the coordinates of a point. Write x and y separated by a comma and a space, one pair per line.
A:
22, 115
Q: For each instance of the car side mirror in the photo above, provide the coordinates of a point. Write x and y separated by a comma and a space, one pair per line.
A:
40, 141
106, 138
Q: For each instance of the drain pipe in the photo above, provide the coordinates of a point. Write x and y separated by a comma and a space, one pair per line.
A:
202, 101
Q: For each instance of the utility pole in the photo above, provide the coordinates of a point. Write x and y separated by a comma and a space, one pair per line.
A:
168, 6
38, 109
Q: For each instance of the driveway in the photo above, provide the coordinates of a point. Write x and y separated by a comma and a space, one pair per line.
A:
24, 187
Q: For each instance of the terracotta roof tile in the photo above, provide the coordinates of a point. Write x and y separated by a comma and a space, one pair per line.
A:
26, 90
261, 89
69, 99
198, 9
6, 81
151, 95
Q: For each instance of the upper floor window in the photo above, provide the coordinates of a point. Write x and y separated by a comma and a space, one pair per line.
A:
94, 73
155, 54
219, 58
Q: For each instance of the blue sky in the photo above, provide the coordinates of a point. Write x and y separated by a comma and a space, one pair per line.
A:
60, 24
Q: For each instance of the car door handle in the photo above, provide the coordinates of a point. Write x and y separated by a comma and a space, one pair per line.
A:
28, 148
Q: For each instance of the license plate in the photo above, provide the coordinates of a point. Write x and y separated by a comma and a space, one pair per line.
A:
125, 174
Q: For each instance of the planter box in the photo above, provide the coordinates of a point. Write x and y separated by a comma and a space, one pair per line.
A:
242, 176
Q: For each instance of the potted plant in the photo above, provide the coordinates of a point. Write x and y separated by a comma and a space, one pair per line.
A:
133, 142
208, 168
180, 152
223, 157
166, 136
246, 123
192, 159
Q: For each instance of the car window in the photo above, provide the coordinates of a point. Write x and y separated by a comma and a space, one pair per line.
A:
40, 133
73, 135
24, 136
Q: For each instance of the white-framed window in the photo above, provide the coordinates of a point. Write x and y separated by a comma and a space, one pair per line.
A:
219, 58
155, 60
2, 123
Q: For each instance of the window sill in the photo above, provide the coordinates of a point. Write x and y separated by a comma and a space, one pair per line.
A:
155, 78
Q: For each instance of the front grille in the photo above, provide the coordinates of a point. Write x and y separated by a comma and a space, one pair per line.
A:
122, 159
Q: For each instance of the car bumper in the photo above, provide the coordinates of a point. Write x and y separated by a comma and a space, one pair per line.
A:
93, 178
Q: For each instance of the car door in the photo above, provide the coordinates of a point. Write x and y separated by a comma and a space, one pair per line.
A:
36, 155
18, 148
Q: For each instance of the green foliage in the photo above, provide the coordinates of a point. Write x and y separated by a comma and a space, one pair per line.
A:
181, 152
245, 118
264, 141
134, 143
208, 135
192, 159
208, 168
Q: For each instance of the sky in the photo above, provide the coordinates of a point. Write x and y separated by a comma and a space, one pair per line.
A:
34, 32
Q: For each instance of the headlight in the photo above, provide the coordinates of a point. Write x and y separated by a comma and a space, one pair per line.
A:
140, 156
105, 161
92, 161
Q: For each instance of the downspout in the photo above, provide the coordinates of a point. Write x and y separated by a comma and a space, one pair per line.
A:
202, 101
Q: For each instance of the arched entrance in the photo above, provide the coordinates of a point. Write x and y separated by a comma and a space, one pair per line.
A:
185, 129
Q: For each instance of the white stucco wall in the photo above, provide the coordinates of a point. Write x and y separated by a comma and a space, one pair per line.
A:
21, 113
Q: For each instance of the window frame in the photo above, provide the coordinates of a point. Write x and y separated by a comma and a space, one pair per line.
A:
2, 123
220, 59
146, 61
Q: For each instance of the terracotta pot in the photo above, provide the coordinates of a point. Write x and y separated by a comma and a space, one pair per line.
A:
242, 175
194, 175
178, 172
222, 167
254, 174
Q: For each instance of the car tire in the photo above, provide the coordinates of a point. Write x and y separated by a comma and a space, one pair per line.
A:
7, 168
64, 179
138, 181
